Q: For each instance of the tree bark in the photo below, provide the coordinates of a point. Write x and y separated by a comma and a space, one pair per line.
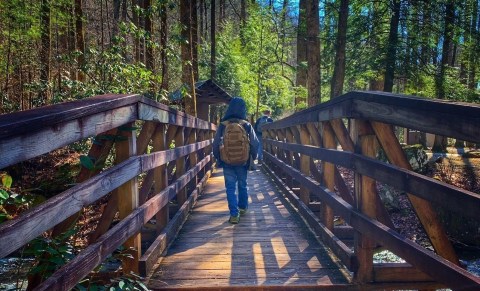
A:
80, 39
163, 46
392, 47
45, 51
149, 48
187, 56
440, 141
194, 27
213, 69
339, 69
301, 78
313, 53
475, 41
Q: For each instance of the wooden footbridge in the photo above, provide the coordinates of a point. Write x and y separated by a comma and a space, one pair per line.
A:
172, 214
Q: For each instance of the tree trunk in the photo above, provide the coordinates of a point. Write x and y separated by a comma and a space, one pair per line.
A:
301, 78
213, 73
475, 44
187, 59
313, 53
163, 46
136, 39
440, 141
45, 51
392, 47
339, 69
149, 53
201, 8
80, 40
194, 26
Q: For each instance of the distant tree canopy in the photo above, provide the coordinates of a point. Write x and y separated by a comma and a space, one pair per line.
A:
272, 53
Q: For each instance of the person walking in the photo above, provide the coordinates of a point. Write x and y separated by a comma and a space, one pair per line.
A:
235, 146
258, 130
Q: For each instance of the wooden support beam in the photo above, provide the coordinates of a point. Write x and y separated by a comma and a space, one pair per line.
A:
180, 166
304, 164
398, 272
160, 175
145, 136
365, 197
329, 142
127, 195
342, 135
98, 153
423, 208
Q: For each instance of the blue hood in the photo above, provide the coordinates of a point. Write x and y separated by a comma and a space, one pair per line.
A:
236, 109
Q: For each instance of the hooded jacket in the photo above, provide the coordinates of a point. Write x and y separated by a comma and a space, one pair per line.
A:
237, 109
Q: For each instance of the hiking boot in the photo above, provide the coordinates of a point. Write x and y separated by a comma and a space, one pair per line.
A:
242, 211
234, 219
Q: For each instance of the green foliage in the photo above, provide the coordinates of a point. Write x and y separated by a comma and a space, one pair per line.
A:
51, 253
11, 203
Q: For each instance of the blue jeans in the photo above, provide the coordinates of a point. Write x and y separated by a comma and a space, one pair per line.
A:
236, 176
260, 148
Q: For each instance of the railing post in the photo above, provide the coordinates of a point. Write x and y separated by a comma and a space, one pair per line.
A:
365, 196
290, 139
128, 193
180, 165
304, 164
160, 175
329, 142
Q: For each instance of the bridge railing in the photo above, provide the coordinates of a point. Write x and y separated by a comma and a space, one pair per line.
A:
320, 133
179, 152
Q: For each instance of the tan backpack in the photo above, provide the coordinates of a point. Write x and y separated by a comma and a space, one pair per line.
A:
235, 145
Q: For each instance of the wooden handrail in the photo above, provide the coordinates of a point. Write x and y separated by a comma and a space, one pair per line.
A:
452, 119
27, 134
443, 194
374, 114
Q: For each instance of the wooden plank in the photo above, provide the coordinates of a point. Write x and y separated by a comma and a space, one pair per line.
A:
76, 269
33, 120
398, 272
151, 110
166, 236
338, 247
31, 144
435, 266
457, 120
19, 231
423, 208
127, 195
237, 249
252, 284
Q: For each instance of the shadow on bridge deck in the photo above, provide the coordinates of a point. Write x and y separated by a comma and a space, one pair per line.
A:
269, 247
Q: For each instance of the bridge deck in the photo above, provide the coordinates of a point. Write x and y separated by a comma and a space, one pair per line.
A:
269, 247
